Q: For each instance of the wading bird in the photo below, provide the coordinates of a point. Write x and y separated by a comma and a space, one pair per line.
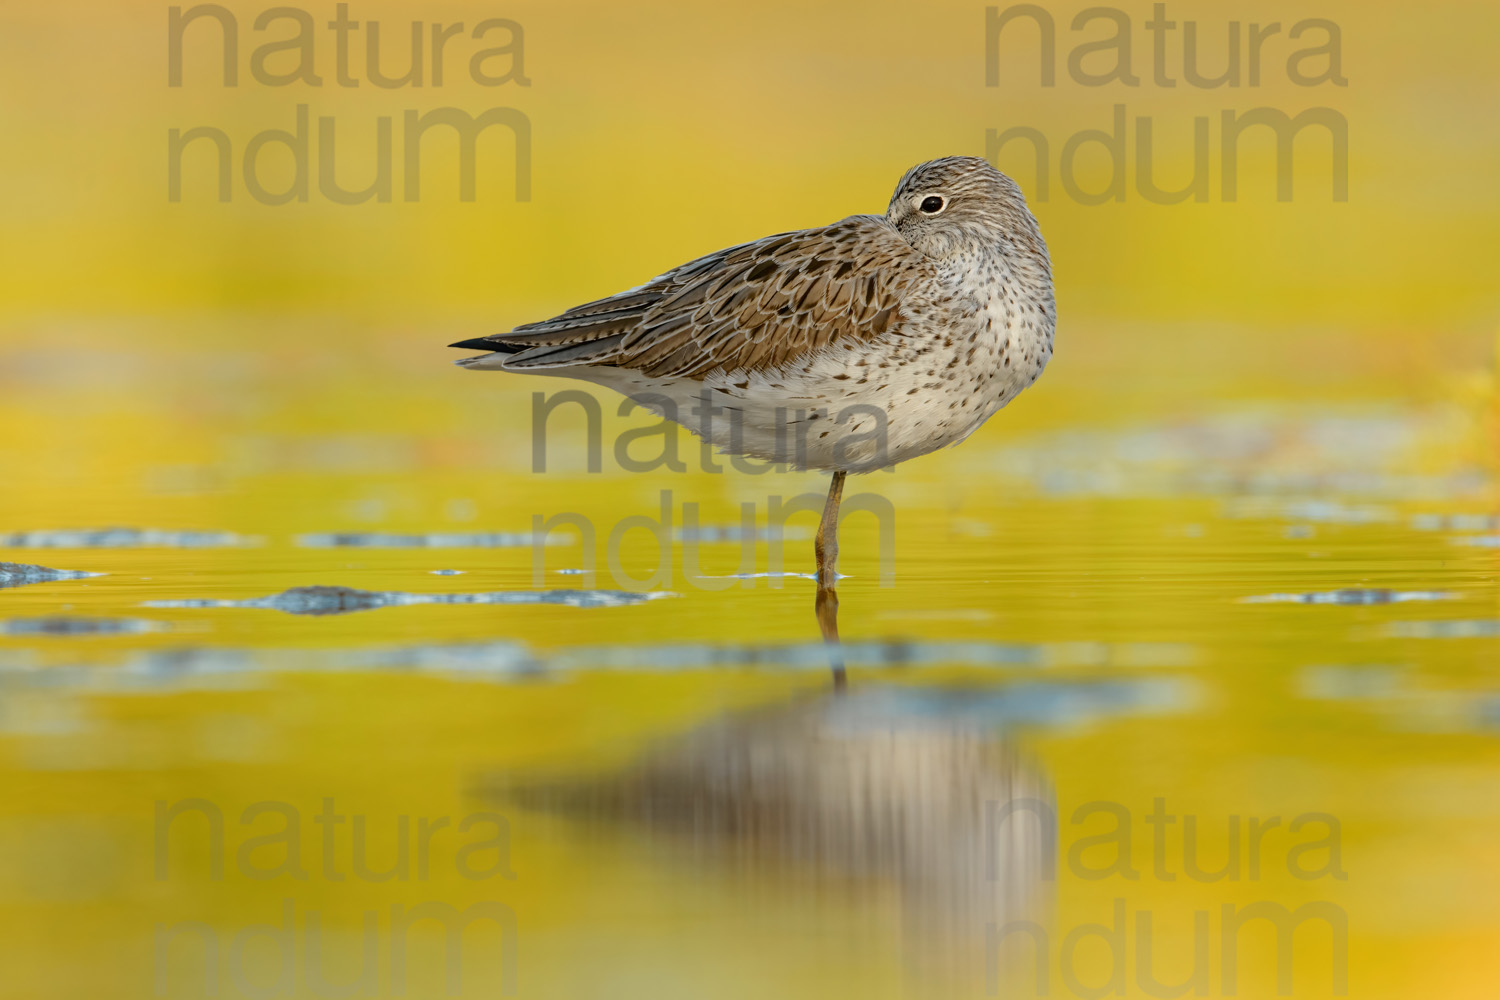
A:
846, 348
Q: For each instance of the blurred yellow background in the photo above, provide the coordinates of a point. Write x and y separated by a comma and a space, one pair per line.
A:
662, 131
1249, 398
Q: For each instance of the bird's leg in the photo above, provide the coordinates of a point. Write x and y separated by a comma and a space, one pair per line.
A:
826, 544
826, 607
826, 547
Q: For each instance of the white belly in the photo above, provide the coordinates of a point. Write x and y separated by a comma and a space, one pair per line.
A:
859, 408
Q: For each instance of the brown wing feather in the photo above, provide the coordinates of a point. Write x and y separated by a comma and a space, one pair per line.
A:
760, 304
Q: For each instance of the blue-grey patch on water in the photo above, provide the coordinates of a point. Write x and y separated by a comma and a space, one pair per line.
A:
1353, 595
1487, 712
739, 533
1313, 511
1443, 711
462, 658
876, 653
1479, 541
799, 655
433, 540
1482, 628
1363, 682
1248, 455
62, 625
20, 574
167, 667
1040, 703
1398, 699
122, 538
510, 659
343, 600
1455, 522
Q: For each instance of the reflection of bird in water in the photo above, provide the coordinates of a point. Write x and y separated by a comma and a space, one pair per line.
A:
847, 348
875, 789
826, 607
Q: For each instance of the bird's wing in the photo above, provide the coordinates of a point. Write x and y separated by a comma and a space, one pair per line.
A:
758, 305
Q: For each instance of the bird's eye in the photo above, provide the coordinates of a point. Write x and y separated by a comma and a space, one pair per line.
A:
932, 205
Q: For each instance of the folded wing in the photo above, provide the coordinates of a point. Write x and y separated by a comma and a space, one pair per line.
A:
759, 305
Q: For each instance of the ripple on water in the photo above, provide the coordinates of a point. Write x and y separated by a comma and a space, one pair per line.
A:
709, 533
62, 625
1353, 595
1057, 702
20, 574
343, 600
433, 540
1481, 628
1247, 455
1034, 703
122, 538
1399, 698
1361, 682
1455, 522
1313, 511
876, 653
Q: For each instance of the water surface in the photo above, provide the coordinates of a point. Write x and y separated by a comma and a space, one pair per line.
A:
317, 670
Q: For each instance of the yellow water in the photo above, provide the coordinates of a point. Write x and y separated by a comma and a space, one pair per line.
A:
1249, 398
1076, 585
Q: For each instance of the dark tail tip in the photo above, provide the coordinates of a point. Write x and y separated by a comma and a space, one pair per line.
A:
478, 344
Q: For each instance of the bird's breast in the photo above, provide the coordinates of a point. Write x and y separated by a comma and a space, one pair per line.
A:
1010, 318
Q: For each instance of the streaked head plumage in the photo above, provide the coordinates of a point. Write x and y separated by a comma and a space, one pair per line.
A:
960, 204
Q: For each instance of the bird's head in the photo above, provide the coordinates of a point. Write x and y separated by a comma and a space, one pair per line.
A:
960, 205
